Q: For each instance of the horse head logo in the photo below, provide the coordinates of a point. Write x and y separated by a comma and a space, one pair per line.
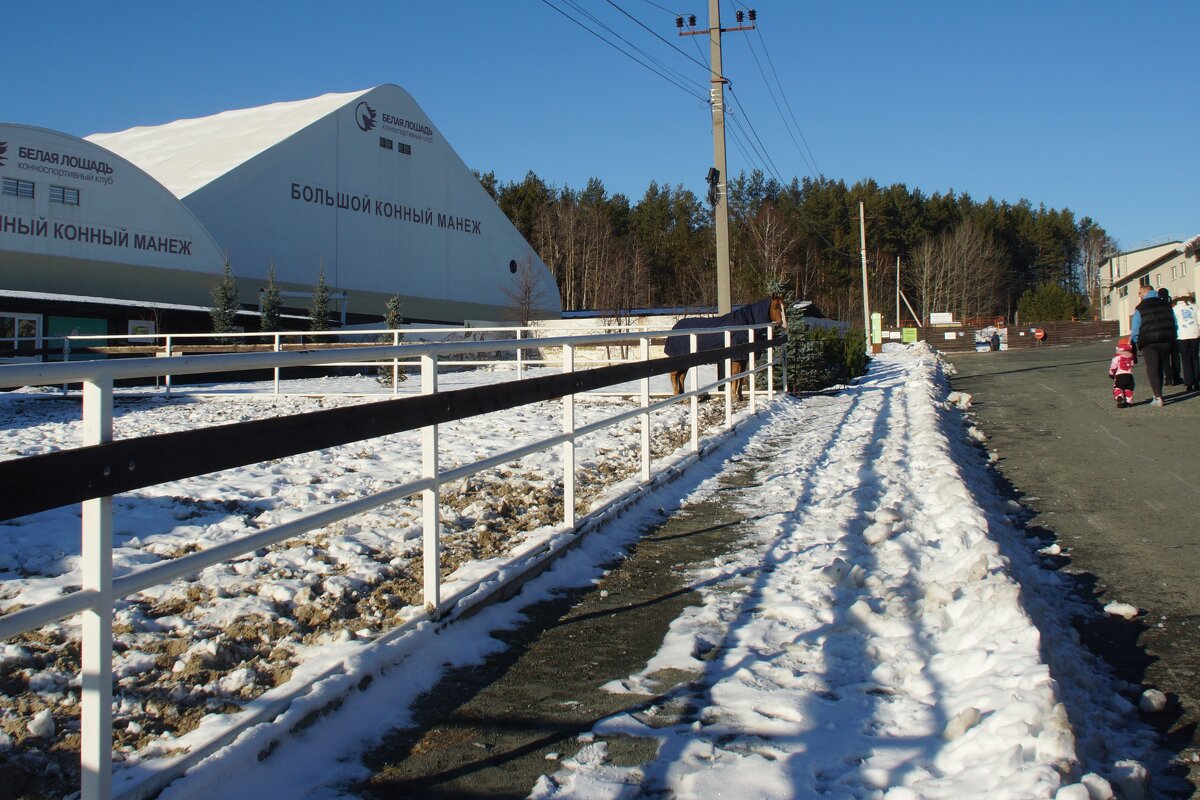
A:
364, 115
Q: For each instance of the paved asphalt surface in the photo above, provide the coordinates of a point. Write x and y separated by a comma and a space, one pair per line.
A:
1120, 489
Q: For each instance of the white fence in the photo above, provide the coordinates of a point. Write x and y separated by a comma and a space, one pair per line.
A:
76, 347
95, 600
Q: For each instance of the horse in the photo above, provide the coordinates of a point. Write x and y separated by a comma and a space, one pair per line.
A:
763, 312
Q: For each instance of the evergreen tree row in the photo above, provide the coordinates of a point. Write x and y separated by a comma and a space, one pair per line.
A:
974, 259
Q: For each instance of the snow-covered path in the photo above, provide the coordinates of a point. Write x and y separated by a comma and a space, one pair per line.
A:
881, 650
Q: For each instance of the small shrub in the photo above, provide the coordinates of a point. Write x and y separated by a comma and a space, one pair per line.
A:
818, 358
393, 318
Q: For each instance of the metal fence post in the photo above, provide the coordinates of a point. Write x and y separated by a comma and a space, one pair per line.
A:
520, 357
568, 448
770, 364
751, 363
645, 402
278, 346
694, 380
95, 749
396, 364
728, 383
783, 365
66, 358
167, 381
430, 516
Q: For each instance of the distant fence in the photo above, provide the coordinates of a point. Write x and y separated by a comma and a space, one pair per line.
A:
966, 339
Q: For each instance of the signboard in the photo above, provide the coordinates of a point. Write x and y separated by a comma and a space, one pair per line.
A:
141, 326
876, 328
941, 318
908, 335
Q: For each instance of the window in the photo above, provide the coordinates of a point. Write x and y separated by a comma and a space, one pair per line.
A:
1158, 279
64, 195
1144, 280
1123, 291
1174, 272
404, 149
1183, 269
19, 332
15, 188
385, 143
1108, 299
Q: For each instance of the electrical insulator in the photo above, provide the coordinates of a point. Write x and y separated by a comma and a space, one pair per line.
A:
753, 15
692, 20
738, 15
679, 22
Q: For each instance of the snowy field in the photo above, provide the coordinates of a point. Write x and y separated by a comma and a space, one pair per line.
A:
886, 630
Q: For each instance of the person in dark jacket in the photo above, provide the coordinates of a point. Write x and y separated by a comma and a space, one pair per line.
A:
1153, 333
1171, 367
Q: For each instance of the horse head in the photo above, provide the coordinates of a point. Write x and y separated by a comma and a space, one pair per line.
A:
777, 312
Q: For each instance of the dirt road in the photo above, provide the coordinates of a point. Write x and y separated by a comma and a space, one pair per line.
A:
492, 731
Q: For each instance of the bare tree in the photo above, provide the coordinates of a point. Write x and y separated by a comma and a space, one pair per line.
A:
525, 294
1095, 246
958, 271
774, 241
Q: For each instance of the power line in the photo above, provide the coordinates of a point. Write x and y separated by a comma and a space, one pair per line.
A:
661, 8
778, 109
655, 34
757, 162
766, 155
737, 141
629, 55
675, 73
783, 94
810, 160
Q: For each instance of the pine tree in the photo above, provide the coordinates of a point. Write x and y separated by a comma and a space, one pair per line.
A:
806, 363
393, 318
319, 310
393, 314
1050, 303
225, 303
271, 304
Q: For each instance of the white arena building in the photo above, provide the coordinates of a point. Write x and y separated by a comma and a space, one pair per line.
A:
120, 227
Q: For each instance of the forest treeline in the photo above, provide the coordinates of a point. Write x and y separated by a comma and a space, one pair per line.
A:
974, 259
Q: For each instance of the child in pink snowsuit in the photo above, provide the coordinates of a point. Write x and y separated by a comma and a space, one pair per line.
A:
1121, 371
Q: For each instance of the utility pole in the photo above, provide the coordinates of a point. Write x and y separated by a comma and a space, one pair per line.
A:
862, 237
897, 292
717, 99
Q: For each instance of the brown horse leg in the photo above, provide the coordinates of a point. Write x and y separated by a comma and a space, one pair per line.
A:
739, 385
677, 381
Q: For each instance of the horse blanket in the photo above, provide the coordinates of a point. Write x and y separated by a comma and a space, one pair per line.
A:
754, 314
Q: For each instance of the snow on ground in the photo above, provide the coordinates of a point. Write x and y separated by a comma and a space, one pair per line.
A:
870, 640
189, 652
885, 632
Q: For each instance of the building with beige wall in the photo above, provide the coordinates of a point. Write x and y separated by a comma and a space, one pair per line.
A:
1173, 265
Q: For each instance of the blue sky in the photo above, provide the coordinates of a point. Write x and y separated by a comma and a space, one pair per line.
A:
1094, 107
